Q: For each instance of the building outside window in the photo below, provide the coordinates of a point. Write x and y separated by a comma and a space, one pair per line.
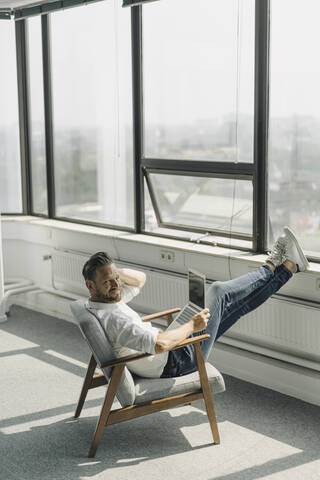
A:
198, 88
36, 117
294, 141
198, 102
92, 113
10, 178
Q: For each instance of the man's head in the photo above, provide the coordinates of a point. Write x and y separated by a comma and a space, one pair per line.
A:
102, 278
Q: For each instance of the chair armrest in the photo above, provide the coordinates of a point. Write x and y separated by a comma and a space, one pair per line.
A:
153, 316
131, 358
190, 341
124, 360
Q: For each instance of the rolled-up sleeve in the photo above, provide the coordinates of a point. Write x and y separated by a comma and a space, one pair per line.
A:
132, 335
129, 292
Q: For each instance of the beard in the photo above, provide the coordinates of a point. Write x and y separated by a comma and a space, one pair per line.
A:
107, 298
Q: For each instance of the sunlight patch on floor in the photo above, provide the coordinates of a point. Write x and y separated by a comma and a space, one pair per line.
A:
27, 426
66, 358
306, 471
129, 460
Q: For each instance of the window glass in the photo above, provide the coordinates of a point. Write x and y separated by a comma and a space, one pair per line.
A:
10, 168
92, 113
294, 141
198, 62
36, 116
209, 204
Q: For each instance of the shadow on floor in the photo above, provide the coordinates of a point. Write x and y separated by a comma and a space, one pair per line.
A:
60, 449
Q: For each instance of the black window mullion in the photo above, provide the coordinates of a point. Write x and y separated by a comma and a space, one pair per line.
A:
20, 31
153, 197
137, 89
47, 7
46, 55
198, 173
199, 166
5, 13
94, 224
261, 112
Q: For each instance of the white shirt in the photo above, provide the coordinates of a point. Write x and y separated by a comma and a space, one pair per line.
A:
128, 335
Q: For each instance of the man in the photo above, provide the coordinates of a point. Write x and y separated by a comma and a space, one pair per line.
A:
111, 288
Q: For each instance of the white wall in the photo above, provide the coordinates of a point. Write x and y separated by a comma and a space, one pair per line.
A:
243, 352
27, 240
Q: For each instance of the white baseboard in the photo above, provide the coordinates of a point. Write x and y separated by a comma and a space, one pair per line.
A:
284, 377
293, 380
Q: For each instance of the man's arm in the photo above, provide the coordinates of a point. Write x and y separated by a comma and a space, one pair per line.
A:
132, 277
170, 338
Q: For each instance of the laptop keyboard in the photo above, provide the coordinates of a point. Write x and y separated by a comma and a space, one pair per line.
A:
186, 313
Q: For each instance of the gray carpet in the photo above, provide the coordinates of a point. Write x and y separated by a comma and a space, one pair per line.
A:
264, 434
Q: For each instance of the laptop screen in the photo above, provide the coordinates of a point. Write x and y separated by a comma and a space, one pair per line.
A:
197, 288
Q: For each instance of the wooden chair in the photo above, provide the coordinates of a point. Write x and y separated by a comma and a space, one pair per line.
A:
149, 395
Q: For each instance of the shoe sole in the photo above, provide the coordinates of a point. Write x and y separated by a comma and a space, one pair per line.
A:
292, 236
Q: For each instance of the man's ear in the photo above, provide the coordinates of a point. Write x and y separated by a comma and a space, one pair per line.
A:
90, 286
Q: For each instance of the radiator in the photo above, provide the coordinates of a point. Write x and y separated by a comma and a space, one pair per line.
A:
67, 271
162, 290
285, 325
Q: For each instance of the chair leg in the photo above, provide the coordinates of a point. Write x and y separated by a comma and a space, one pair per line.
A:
207, 395
106, 407
86, 384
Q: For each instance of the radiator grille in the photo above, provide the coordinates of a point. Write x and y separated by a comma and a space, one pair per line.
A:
161, 291
293, 327
67, 272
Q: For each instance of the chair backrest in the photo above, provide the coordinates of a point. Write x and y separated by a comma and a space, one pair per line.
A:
101, 349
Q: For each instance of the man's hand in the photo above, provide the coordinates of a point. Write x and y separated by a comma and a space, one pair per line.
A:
200, 320
132, 277
170, 338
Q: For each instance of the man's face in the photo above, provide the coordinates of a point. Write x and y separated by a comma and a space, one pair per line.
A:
106, 287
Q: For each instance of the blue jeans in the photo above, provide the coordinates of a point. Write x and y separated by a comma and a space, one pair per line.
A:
227, 303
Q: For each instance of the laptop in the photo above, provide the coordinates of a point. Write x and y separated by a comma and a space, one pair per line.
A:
196, 303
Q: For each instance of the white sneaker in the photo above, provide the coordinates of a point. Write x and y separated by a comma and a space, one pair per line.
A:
294, 252
279, 250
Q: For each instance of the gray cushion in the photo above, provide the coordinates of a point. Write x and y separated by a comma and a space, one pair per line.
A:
148, 389
102, 351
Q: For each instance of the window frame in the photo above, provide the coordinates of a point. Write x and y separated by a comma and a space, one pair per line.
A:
193, 173
142, 166
24, 117
258, 169
46, 32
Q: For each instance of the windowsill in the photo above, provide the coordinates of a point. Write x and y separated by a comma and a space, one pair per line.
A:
222, 252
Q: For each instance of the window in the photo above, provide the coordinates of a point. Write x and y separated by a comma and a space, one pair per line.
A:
36, 118
198, 60
198, 110
195, 86
10, 178
194, 202
92, 113
294, 142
